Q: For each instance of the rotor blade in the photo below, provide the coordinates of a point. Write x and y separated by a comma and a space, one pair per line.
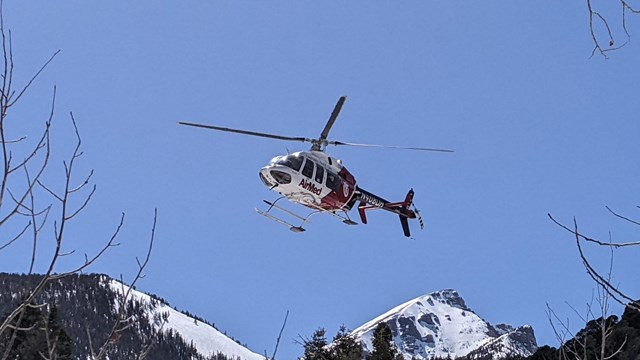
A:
245, 132
332, 118
337, 143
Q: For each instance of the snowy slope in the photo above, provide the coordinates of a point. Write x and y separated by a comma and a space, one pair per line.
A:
441, 325
206, 339
520, 341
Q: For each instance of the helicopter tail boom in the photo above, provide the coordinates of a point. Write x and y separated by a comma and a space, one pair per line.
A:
369, 201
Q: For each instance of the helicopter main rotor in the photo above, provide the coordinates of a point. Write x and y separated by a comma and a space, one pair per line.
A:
316, 144
322, 141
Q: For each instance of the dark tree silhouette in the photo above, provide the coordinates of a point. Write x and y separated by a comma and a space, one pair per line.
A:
383, 347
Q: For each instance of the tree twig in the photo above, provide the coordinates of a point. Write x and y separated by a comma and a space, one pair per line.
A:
284, 323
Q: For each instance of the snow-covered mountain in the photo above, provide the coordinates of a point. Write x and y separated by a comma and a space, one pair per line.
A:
441, 325
207, 340
86, 307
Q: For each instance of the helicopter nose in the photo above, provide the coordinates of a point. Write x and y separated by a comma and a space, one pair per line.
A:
266, 178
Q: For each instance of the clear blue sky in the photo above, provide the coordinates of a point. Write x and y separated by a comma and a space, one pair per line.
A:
537, 127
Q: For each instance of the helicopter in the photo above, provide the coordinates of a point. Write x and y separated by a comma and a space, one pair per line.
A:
321, 182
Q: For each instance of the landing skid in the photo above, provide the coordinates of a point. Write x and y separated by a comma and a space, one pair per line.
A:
304, 220
345, 219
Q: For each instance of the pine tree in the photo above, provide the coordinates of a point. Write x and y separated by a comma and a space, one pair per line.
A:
316, 347
345, 347
383, 348
59, 337
23, 342
37, 334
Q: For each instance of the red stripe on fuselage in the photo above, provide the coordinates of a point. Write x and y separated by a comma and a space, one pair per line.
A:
339, 197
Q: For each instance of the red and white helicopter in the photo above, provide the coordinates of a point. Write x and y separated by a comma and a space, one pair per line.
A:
320, 182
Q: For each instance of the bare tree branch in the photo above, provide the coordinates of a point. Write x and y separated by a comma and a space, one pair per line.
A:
625, 8
284, 323
121, 322
24, 210
586, 238
2, 247
580, 346
611, 289
624, 218
26, 87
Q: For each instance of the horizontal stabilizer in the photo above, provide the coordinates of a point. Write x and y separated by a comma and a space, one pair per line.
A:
369, 201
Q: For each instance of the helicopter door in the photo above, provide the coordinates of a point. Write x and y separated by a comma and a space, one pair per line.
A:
332, 181
341, 191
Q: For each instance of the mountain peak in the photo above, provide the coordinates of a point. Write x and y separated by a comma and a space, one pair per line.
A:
447, 296
440, 324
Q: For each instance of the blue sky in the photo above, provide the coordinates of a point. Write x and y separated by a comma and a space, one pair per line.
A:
537, 126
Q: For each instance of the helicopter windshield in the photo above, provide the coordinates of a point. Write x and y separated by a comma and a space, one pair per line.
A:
291, 161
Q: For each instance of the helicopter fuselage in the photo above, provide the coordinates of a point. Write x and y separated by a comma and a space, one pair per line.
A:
311, 178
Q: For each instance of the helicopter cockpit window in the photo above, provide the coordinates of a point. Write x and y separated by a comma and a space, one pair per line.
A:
308, 169
332, 181
292, 161
319, 174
